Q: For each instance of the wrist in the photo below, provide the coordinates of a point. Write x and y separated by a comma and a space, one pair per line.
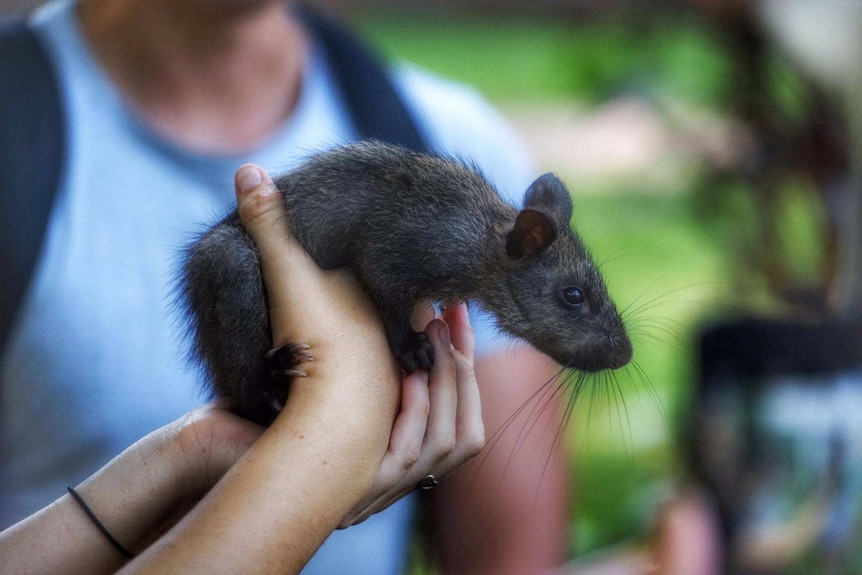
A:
340, 427
136, 492
204, 445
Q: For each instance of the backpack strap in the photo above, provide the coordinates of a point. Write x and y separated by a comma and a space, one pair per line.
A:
32, 138
376, 108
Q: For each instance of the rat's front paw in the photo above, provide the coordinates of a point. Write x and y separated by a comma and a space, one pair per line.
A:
415, 352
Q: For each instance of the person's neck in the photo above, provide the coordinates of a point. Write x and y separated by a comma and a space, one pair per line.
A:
208, 77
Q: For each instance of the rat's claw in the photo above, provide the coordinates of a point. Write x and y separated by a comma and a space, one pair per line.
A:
289, 372
288, 355
292, 347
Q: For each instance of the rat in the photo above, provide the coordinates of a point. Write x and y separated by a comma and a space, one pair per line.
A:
413, 227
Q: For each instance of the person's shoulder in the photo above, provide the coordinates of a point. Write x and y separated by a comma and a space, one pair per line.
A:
459, 121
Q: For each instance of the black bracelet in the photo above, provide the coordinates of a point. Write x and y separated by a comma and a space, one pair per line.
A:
117, 545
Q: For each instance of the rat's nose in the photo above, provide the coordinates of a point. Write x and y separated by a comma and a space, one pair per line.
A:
620, 352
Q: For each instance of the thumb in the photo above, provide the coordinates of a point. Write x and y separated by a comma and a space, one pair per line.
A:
260, 206
288, 270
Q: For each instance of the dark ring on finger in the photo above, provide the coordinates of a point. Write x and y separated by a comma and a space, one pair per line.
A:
428, 482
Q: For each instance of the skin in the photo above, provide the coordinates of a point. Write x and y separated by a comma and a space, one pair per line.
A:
687, 540
184, 67
506, 517
340, 450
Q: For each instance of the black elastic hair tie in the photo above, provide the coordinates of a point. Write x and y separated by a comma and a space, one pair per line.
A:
117, 545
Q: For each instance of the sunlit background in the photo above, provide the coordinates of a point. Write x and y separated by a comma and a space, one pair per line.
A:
706, 147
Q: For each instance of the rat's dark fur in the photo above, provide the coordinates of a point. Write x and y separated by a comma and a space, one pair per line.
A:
413, 227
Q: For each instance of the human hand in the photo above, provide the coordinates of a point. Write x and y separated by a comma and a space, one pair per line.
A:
440, 423
207, 442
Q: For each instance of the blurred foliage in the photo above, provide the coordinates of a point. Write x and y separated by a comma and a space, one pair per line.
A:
669, 267
675, 259
518, 60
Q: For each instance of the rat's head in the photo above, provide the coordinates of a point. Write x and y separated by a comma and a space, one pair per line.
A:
550, 292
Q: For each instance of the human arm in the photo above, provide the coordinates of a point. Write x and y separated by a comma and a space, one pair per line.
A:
320, 456
136, 494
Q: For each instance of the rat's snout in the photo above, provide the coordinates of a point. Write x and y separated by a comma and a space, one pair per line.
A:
619, 352
599, 353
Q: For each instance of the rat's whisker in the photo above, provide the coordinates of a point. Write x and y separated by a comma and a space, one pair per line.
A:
495, 438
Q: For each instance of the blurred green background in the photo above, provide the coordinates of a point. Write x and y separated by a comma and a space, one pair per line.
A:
641, 111
638, 111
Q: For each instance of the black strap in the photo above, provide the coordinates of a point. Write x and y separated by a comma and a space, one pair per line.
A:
376, 108
32, 136
32, 142
101, 526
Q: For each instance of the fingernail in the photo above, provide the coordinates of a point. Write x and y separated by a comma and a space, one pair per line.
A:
247, 178
444, 334
464, 311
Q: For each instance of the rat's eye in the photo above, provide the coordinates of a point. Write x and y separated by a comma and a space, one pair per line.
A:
574, 297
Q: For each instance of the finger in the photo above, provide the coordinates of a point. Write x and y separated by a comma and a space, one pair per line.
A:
442, 387
288, 271
469, 423
260, 207
458, 319
469, 426
408, 432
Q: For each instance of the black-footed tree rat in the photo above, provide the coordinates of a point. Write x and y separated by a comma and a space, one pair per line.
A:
413, 227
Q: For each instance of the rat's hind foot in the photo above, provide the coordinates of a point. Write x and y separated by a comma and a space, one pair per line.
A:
280, 364
415, 351
288, 355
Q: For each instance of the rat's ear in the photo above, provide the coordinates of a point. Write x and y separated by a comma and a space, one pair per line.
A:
548, 194
533, 232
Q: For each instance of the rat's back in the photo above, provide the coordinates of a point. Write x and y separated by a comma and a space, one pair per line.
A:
373, 194
412, 226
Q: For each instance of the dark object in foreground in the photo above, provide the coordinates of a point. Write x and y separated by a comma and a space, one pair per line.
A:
413, 227
775, 429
